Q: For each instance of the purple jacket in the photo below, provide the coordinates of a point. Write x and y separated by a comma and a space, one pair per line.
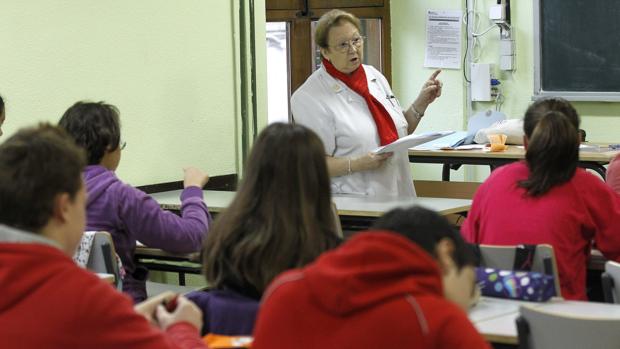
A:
225, 312
130, 214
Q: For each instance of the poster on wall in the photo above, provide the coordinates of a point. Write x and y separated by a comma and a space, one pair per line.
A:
443, 39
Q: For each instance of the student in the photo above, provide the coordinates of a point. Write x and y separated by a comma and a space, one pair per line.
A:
2, 114
404, 284
613, 174
47, 300
127, 213
281, 218
547, 199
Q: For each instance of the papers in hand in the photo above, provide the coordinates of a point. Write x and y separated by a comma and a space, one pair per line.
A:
410, 141
452, 140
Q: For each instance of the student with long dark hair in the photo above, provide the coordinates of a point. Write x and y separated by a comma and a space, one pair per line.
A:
281, 218
547, 199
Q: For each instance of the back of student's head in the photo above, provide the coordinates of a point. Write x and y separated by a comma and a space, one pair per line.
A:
36, 165
552, 130
426, 229
95, 126
281, 216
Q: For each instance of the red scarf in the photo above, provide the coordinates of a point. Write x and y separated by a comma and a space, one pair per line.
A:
358, 83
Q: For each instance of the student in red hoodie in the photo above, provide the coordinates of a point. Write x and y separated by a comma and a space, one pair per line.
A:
47, 300
547, 199
404, 284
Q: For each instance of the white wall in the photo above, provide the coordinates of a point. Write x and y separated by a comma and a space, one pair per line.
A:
600, 120
169, 67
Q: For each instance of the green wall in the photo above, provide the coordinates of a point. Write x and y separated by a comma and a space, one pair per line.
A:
169, 66
408, 39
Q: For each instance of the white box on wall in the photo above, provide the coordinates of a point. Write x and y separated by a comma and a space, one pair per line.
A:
481, 82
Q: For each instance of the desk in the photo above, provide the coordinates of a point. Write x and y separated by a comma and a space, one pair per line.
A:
587, 159
108, 278
157, 259
347, 205
356, 213
495, 318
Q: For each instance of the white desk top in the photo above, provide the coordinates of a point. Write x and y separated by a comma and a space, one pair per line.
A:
495, 317
347, 205
513, 152
109, 278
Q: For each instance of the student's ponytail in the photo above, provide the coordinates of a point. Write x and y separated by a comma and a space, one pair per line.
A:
552, 153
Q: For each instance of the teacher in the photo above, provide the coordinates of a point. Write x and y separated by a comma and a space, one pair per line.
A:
353, 110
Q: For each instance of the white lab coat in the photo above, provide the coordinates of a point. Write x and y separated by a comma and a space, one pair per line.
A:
344, 123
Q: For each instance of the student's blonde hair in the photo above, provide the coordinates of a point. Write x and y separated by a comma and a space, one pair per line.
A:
329, 20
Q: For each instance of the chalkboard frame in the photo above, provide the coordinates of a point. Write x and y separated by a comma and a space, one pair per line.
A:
540, 92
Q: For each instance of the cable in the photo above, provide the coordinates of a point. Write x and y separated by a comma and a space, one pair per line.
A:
466, 42
485, 31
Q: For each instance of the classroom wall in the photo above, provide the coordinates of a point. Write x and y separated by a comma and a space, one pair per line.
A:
599, 119
169, 67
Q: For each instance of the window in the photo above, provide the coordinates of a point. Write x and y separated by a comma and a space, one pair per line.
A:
292, 55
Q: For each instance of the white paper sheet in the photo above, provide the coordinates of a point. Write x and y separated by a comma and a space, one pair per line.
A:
443, 39
411, 141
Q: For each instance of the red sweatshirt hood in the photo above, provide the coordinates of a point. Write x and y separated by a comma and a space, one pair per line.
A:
371, 268
26, 269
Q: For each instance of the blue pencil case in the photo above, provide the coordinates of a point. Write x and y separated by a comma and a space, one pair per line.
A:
520, 285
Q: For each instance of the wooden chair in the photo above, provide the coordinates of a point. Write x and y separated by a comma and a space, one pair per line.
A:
505, 257
102, 257
540, 329
611, 282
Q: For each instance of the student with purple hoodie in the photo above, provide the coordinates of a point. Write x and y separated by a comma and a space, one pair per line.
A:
127, 213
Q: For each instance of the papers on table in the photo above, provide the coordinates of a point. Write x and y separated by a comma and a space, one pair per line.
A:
410, 141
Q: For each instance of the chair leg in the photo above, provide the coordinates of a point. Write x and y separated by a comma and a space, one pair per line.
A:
608, 286
523, 330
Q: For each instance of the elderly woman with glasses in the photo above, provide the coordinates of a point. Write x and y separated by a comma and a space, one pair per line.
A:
353, 110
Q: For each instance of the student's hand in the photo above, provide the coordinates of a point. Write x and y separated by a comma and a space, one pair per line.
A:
185, 311
369, 161
148, 307
194, 177
430, 91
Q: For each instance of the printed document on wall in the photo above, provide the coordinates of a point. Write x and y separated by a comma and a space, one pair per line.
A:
443, 39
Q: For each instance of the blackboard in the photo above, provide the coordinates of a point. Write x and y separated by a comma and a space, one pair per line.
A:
577, 49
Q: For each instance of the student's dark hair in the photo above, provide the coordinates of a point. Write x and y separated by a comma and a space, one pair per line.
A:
551, 126
426, 228
36, 165
1, 105
95, 126
281, 216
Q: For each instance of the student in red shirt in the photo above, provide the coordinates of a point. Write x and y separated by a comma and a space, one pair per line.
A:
547, 199
47, 300
404, 284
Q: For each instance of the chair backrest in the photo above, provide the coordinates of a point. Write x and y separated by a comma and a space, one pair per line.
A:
539, 329
611, 282
102, 257
503, 257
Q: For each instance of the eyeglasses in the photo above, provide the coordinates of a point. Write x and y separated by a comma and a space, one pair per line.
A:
123, 145
355, 42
